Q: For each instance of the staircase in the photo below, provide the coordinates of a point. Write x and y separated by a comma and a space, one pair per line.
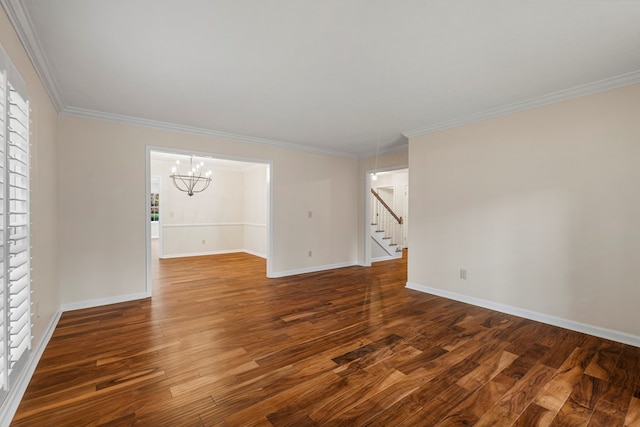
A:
392, 249
386, 227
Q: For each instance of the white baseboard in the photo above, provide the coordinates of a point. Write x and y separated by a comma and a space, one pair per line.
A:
597, 331
13, 398
383, 258
206, 253
311, 269
78, 305
254, 253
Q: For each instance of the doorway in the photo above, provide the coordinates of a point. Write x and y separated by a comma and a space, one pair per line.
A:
233, 214
392, 187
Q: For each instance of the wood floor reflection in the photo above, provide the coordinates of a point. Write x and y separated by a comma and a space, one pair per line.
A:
220, 344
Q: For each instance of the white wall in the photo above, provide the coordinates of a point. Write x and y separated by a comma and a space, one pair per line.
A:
230, 216
207, 222
256, 186
102, 251
541, 207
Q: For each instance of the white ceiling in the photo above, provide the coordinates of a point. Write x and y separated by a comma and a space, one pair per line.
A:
336, 76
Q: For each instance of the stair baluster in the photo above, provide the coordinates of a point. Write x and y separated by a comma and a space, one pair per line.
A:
387, 221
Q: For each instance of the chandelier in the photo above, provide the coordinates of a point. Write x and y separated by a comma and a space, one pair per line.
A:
192, 182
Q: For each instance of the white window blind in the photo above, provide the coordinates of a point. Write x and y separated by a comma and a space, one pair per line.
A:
15, 258
3, 284
19, 306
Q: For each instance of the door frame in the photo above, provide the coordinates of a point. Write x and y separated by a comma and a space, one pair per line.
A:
367, 208
182, 151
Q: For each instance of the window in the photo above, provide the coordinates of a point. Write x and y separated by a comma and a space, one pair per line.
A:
15, 261
155, 206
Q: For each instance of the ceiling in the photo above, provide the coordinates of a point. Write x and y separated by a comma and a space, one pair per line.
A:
343, 77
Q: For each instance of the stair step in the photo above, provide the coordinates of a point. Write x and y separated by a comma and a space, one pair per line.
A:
385, 242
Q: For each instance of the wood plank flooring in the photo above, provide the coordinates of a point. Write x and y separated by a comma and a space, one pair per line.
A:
220, 344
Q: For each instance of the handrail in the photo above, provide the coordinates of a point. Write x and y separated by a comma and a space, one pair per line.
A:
397, 218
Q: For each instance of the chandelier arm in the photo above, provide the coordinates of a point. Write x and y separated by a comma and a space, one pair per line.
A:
181, 178
191, 181
207, 181
195, 181
187, 185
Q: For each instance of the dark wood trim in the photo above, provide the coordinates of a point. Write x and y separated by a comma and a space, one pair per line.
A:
377, 196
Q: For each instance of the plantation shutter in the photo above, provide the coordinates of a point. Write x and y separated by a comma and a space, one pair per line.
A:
3, 284
15, 258
18, 236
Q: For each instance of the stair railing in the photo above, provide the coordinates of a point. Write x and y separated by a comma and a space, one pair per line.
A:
387, 220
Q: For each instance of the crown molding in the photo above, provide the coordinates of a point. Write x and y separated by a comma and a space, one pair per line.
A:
28, 37
156, 124
24, 28
551, 98
387, 150
403, 147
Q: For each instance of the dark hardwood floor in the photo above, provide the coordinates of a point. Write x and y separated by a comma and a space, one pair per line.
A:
219, 344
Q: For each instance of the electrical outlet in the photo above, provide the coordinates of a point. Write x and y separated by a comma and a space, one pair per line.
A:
310, 253
310, 215
204, 241
463, 274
